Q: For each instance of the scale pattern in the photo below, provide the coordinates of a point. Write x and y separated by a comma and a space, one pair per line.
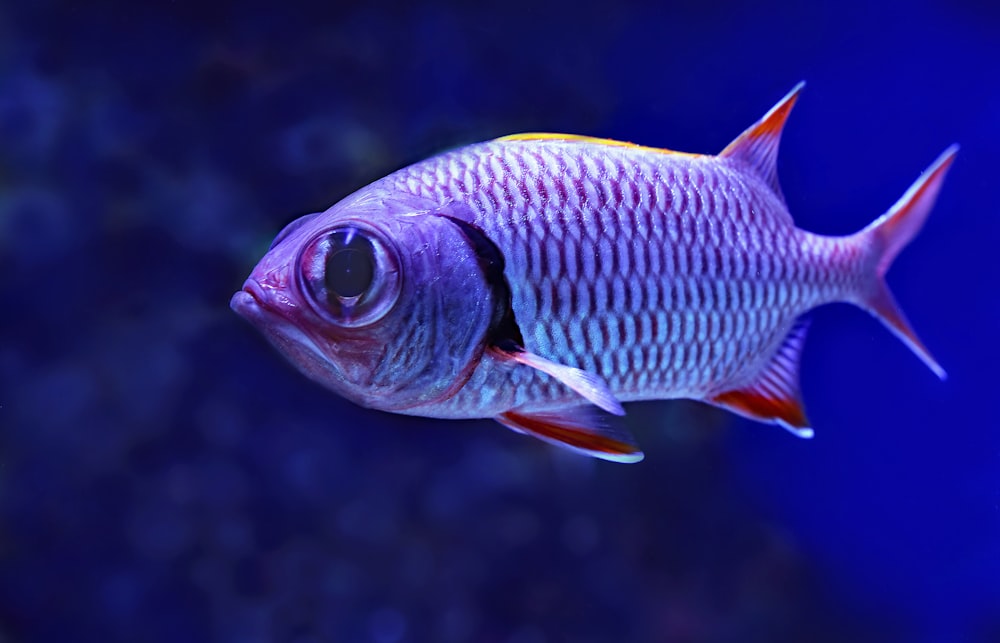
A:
671, 275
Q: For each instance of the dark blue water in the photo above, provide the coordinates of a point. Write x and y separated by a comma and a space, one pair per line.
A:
165, 476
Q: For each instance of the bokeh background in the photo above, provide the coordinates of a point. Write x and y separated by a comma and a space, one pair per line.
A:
165, 476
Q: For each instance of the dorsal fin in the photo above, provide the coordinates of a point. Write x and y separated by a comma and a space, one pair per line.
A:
757, 147
592, 140
774, 395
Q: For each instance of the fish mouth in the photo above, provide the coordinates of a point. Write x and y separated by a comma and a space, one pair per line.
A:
253, 304
248, 302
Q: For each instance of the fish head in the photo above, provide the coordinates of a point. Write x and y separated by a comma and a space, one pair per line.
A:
382, 299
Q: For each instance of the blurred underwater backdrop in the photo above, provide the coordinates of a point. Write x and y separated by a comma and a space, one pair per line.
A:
166, 476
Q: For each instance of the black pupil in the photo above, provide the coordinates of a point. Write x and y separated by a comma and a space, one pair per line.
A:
350, 265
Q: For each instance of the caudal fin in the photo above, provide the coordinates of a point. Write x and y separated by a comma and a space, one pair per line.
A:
889, 234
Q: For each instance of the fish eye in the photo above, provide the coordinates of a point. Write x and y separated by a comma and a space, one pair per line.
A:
351, 275
350, 265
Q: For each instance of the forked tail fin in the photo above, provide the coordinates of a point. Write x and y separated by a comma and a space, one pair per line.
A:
889, 234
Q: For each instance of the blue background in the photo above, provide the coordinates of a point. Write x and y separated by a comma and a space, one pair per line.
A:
165, 476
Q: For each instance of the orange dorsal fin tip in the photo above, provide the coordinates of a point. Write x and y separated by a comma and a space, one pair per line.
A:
577, 429
774, 396
757, 147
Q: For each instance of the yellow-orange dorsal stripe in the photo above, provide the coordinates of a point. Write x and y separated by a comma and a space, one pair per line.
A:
578, 138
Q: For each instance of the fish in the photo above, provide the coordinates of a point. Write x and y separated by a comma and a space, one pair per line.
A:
543, 280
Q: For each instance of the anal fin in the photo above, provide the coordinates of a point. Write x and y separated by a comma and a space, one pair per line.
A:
578, 429
774, 396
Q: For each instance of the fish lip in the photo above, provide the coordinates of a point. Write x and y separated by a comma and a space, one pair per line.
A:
253, 304
242, 302
250, 301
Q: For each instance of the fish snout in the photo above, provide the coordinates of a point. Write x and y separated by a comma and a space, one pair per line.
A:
242, 303
248, 301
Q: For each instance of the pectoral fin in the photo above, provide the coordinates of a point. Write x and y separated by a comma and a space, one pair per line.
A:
579, 429
590, 385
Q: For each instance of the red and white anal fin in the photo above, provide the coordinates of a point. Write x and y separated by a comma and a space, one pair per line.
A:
577, 429
887, 236
757, 147
591, 386
774, 395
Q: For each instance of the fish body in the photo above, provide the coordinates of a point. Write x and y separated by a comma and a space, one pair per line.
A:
535, 278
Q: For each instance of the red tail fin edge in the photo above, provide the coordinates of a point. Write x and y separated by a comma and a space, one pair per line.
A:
903, 221
888, 235
883, 305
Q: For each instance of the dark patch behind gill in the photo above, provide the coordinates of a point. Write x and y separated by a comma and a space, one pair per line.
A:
504, 331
